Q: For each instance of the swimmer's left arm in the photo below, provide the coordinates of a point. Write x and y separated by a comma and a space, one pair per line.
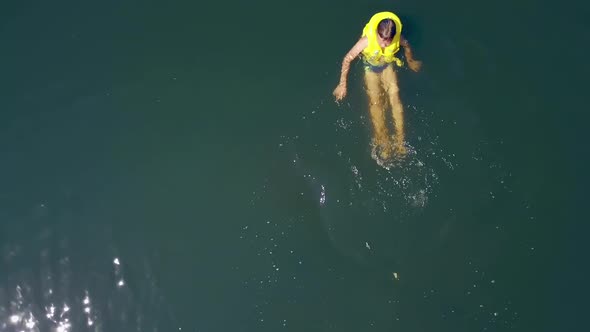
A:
412, 63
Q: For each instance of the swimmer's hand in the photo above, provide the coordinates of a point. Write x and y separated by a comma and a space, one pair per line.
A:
414, 65
340, 92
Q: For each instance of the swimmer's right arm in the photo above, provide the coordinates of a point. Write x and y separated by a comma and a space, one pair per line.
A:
351, 55
340, 91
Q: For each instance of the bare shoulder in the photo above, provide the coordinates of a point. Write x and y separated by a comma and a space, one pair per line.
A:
403, 41
360, 45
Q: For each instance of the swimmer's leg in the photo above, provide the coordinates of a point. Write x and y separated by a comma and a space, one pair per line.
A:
389, 80
377, 112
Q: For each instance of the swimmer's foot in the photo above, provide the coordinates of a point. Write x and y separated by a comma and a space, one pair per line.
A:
384, 151
400, 147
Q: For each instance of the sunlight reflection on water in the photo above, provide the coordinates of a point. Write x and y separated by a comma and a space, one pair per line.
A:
69, 288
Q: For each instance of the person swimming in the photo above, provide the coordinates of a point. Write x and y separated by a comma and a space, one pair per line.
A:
380, 41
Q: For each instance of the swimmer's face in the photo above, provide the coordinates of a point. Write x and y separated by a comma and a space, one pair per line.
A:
383, 42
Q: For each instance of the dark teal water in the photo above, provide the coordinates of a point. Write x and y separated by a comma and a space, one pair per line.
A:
179, 165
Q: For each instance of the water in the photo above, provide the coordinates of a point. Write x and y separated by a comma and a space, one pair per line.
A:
182, 166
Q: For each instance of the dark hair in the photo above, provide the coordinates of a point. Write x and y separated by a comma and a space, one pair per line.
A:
386, 29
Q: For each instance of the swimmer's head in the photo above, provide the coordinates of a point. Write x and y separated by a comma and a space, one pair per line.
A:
386, 31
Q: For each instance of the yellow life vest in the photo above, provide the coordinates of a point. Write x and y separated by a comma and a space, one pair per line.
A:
373, 53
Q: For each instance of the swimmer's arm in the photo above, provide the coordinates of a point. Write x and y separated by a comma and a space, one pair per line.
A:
412, 63
407, 49
351, 55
